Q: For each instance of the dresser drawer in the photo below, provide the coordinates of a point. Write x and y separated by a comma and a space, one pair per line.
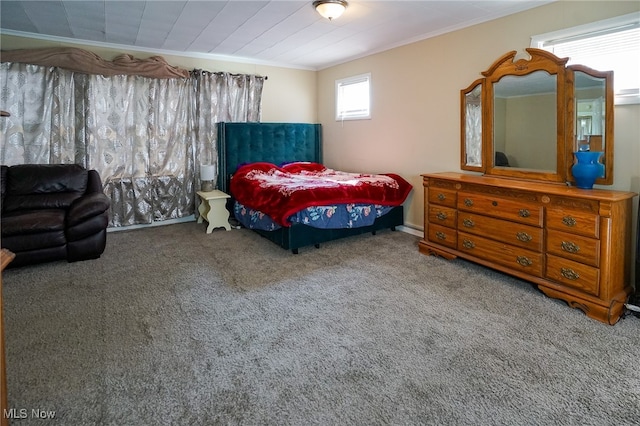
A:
573, 274
443, 235
502, 208
442, 216
574, 247
575, 222
513, 233
516, 258
443, 197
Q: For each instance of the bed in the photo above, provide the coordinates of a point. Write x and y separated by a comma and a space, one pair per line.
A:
274, 148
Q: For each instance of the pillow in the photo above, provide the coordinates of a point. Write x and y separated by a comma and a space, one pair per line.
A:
247, 167
302, 166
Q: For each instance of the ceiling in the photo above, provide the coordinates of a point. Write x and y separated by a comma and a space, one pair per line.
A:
287, 33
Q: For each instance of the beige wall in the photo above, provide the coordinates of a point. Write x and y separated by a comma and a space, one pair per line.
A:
289, 95
415, 125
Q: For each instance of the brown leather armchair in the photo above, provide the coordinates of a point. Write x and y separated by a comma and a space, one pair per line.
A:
53, 212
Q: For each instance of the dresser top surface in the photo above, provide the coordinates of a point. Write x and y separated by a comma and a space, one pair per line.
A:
548, 188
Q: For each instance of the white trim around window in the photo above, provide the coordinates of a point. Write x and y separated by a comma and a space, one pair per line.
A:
608, 45
353, 98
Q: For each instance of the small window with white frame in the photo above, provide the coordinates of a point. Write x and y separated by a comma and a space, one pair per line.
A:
608, 45
353, 98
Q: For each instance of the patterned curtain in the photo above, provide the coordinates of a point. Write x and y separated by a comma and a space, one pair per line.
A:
145, 136
140, 142
42, 104
223, 97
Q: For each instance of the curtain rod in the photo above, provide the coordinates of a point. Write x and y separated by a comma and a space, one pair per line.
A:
266, 77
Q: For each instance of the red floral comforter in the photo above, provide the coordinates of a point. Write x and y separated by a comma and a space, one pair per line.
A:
281, 191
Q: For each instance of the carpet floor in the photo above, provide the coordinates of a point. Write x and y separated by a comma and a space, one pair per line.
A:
173, 326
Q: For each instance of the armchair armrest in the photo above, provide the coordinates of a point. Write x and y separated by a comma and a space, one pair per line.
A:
86, 207
94, 183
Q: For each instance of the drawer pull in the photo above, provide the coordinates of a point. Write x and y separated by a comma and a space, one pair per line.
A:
569, 273
468, 244
569, 221
570, 247
440, 235
468, 202
524, 213
442, 197
494, 203
524, 261
441, 216
468, 223
524, 237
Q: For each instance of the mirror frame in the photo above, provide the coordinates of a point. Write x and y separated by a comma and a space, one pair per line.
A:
539, 60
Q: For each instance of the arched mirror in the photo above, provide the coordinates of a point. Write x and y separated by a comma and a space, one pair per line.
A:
525, 116
535, 113
525, 121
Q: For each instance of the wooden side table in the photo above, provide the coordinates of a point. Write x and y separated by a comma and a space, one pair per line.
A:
5, 258
213, 209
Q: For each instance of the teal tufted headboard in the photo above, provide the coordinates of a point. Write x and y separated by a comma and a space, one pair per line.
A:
240, 143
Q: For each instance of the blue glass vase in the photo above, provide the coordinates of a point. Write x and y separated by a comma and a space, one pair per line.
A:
587, 168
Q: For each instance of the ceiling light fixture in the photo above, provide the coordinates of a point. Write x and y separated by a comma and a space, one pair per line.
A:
330, 9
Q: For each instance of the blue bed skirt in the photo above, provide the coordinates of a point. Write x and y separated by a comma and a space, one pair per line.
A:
299, 235
321, 217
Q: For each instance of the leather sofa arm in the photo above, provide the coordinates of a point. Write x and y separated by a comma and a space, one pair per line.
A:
86, 207
94, 183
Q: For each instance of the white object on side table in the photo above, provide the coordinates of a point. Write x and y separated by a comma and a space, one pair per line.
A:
207, 175
213, 209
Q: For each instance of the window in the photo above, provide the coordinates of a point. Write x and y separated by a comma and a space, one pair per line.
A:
609, 45
353, 98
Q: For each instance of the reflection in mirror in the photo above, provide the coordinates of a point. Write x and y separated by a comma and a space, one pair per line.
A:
525, 121
592, 116
589, 95
472, 125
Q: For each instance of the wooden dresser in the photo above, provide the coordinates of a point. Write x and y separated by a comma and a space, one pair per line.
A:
574, 244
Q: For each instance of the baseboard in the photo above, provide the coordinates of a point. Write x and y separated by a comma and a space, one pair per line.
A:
191, 218
404, 228
411, 230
